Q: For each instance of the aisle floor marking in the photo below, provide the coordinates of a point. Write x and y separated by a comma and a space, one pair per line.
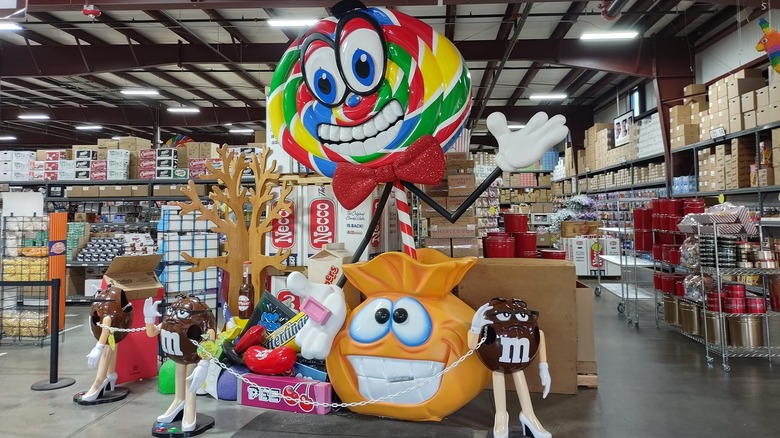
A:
72, 328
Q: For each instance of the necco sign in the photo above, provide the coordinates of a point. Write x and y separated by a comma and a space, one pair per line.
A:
283, 229
322, 223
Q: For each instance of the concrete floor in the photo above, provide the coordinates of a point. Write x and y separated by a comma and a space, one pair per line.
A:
652, 382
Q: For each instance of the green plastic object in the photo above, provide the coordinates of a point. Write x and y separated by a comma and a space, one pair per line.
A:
166, 380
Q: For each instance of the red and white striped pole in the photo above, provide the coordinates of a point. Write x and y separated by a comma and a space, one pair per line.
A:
405, 220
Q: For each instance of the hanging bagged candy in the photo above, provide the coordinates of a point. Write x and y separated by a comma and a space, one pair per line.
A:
690, 257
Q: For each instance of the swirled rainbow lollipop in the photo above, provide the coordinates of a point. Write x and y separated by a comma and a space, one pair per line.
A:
362, 88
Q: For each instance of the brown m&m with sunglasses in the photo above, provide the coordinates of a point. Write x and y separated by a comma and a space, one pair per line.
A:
185, 320
512, 337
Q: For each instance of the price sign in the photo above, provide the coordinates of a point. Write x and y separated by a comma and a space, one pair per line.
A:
717, 132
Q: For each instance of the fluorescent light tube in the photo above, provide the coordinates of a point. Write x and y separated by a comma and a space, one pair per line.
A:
34, 117
241, 131
628, 35
116, 137
183, 110
548, 97
281, 22
89, 127
140, 92
7, 138
10, 25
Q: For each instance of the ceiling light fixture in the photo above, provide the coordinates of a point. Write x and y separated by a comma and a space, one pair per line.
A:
140, 92
281, 22
627, 35
34, 117
116, 137
241, 131
183, 110
10, 25
7, 138
548, 97
89, 127
227, 124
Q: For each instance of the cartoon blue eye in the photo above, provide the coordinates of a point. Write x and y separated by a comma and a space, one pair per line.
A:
363, 67
362, 57
325, 86
322, 74
411, 322
372, 323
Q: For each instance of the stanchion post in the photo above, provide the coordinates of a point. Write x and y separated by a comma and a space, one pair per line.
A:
54, 359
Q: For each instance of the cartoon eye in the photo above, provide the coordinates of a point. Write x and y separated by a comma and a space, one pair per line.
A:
169, 311
182, 313
764, 40
411, 322
522, 316
322, 73
504, 316
372, 322
362, 57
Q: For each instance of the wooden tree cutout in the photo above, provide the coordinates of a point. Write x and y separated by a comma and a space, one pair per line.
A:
244, 240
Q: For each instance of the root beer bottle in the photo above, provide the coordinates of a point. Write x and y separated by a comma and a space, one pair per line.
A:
246, 293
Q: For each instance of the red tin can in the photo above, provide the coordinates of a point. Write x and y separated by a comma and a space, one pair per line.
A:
674, 255
734, 305
525, 244
676, 206
657, 280
499, 247
680, 288
515, 222
657, 251
553, 254
754, 304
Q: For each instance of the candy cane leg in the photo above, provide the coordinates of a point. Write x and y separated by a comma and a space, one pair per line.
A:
404, 220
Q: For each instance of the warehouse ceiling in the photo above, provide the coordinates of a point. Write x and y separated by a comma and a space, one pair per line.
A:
220, 55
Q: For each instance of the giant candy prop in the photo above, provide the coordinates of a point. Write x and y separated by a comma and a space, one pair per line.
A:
770, 43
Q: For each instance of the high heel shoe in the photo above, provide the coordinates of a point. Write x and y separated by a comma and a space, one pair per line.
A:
97, 394
111, 381
172, 416
501, 425
189, 427
530, 429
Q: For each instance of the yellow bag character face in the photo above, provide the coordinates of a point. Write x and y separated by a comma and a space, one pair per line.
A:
408, 330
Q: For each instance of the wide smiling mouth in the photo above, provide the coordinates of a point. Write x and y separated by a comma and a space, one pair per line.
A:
366, 138
382, 376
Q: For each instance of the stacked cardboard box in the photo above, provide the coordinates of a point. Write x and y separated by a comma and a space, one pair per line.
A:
706, 159
20, 164
596, 149
458, 239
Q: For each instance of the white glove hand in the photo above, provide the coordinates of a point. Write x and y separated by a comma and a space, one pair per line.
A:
198, 376
316, 339
518, 149
150, 310
544, 375
479, 320
93, 358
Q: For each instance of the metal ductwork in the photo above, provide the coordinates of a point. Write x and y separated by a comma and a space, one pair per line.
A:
610, 10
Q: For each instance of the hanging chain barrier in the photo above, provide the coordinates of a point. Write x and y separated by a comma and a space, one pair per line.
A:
297, 400
120, 330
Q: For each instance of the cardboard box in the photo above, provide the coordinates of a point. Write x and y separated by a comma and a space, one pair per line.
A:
448, 230
113, 191
748, 101
737, 87
774, 93
139, 190
679, 110
135, 275
326, 266
736, 123
74, 192
461, 185
735, 106
286, 231
465, 247
269, 396
318, 220
749, 120
586, 346
694, 93
762, 97
90, 192
549, 287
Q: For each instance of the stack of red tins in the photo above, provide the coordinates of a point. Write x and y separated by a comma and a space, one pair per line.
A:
735, 299
643, 228
666, 214
525, 245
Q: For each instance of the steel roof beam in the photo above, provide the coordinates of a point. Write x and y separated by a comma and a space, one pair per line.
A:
634, 57
149, 5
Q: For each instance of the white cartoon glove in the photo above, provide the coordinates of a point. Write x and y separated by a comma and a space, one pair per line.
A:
93, 358
518, 149
479, 320
150, 310
544, 375
198, 375
326, 308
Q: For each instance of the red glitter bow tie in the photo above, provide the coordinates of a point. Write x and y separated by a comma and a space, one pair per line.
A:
421, 163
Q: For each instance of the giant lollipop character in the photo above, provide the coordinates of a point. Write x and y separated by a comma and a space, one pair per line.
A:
376, 96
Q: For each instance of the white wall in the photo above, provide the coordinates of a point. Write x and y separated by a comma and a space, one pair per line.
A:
731, 52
